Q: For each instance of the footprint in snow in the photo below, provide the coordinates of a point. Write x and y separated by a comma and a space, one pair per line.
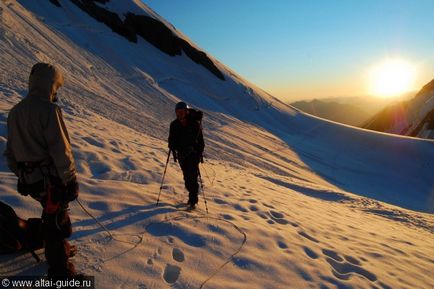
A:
307, 236
268, 206
94, 141
352, 260
171, 273
282, 245
332, 254
228, 217
178, 255
278, 217
240, 208
310, 253
345, 268
253, 208
220, 201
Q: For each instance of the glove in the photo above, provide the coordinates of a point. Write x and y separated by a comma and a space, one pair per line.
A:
71, 190
175, 156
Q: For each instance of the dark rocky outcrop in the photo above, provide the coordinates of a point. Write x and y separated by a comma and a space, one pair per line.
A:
159, 35
56, 3
110, 19
154, 32
150, 29
200, 57
429, 120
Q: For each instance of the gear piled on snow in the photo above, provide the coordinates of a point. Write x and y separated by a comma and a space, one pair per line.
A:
17, 234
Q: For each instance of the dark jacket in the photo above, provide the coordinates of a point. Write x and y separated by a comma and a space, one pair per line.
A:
186, 139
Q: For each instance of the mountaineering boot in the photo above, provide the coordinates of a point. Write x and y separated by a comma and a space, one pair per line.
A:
191, 207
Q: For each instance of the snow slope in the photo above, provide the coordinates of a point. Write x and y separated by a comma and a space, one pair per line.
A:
307, 194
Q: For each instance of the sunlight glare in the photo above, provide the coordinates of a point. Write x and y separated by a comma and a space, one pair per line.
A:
392, 78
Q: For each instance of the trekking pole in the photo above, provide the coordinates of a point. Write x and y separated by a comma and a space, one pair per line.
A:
164, 174
203, 191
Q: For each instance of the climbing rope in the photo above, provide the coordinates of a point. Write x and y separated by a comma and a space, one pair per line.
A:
176, 218
104, 228
205, 216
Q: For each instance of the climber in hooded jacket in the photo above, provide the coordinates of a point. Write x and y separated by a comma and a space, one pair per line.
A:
39, 152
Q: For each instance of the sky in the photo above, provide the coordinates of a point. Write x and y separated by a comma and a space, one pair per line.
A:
309, 49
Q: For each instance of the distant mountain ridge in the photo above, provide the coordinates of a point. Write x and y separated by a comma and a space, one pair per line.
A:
354, 110
414, 117
340, 112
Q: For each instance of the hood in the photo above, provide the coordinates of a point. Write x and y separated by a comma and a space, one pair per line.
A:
44, 81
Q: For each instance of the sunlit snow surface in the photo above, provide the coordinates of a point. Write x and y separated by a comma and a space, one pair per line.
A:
322, 205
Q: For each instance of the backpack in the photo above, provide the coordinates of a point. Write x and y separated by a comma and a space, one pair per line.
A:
17, 234
195, 114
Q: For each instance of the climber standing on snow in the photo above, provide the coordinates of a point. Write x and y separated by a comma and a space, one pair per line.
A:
186, 143
39, 152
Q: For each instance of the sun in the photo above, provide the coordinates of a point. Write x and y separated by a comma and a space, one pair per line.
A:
392, 78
